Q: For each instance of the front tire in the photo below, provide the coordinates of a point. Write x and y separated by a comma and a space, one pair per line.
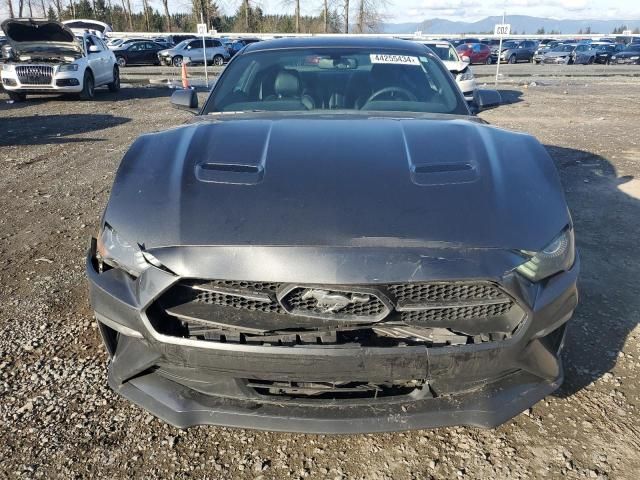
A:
17, 96
115, 85
88, 87
122, 62
176, 61
512, 59
218, 60
488, 61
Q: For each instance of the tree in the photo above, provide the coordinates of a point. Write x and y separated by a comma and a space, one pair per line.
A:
346, 16
369, 15
540, 31
165, 4
10, 8
51, 13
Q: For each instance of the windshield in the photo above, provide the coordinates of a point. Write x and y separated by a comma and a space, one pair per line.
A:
321, 79
444, 51
182, 44
564, 48
509, 44
634, 47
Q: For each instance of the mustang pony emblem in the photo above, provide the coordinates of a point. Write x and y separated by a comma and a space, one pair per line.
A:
332, 301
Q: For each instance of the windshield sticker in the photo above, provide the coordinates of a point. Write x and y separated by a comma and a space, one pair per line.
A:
394, 59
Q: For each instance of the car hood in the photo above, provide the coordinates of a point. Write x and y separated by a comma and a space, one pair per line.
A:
29, 37
455, 67
557, 54
337, 180
627, 54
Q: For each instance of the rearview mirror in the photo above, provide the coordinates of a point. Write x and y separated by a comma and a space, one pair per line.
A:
93, 49
466, 59
185, 99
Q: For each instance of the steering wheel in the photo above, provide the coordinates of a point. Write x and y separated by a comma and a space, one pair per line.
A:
403, 91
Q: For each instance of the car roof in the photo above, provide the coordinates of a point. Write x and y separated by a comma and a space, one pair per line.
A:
337, 41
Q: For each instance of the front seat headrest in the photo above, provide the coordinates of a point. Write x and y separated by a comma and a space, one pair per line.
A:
287, 85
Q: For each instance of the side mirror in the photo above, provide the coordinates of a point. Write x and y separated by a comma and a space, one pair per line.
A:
93, 49
465, 59
185, 99
485, 99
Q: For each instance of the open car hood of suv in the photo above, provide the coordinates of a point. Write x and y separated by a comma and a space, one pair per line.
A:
337, 180
29, 37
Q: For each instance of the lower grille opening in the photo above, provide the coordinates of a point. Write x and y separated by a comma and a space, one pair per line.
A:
335, 390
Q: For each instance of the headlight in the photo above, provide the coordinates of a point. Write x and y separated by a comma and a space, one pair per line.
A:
466, 75
559, 255
8, 67
68, 67
636, 57
117, 252
613, 58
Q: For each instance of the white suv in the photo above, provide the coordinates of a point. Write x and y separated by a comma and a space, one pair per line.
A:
459, 67
46, 57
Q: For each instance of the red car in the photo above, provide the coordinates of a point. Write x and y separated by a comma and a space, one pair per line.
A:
477, 52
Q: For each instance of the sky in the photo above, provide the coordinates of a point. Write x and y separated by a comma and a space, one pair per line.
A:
418, 10
471, 10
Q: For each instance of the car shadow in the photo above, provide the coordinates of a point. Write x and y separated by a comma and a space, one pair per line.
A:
54, 129
127, 92
605, 208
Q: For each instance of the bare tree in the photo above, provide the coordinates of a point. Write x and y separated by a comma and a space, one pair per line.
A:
126, 6
30, 8
165, 3
58, 4
44, 9
10, 8
370, 15
297, 16
246, 15
325, 16
145, 7
346, 16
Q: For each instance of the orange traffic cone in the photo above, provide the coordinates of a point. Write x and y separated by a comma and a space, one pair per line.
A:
185, 80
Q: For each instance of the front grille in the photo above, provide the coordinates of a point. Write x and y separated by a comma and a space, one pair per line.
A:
444, 292
268, 313
34, 74
455, 313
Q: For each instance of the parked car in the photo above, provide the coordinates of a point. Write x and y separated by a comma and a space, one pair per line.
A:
458, 67
560, 54
588, 56
120, 42
138, 53
337, 246
542, 49
194, 51
604, 54
476, 52
520, 52
630, 55
176, 39
495, 48
239, 44
459, 41
46, 57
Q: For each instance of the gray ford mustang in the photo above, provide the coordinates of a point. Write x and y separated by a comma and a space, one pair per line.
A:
335, 244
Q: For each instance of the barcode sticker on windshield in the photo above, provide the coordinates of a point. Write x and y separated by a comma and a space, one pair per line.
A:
394, 59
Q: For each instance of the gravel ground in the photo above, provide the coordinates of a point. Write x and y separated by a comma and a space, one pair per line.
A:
59, 419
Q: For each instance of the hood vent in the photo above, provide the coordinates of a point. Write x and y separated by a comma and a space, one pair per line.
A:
443, 173
233, 173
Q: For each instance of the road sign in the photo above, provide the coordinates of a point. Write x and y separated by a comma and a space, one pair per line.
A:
627, 33
202, 29
502, 29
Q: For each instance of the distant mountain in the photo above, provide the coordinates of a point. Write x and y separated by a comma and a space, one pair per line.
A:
519, 23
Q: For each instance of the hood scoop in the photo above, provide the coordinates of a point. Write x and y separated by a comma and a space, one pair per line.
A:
232, 173
236, 153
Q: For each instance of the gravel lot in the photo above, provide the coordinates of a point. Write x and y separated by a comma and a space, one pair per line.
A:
58, 418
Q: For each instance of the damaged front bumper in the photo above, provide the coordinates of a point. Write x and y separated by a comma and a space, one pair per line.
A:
188, 382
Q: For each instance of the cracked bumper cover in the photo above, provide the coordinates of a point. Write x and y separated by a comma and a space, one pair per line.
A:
186, 384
